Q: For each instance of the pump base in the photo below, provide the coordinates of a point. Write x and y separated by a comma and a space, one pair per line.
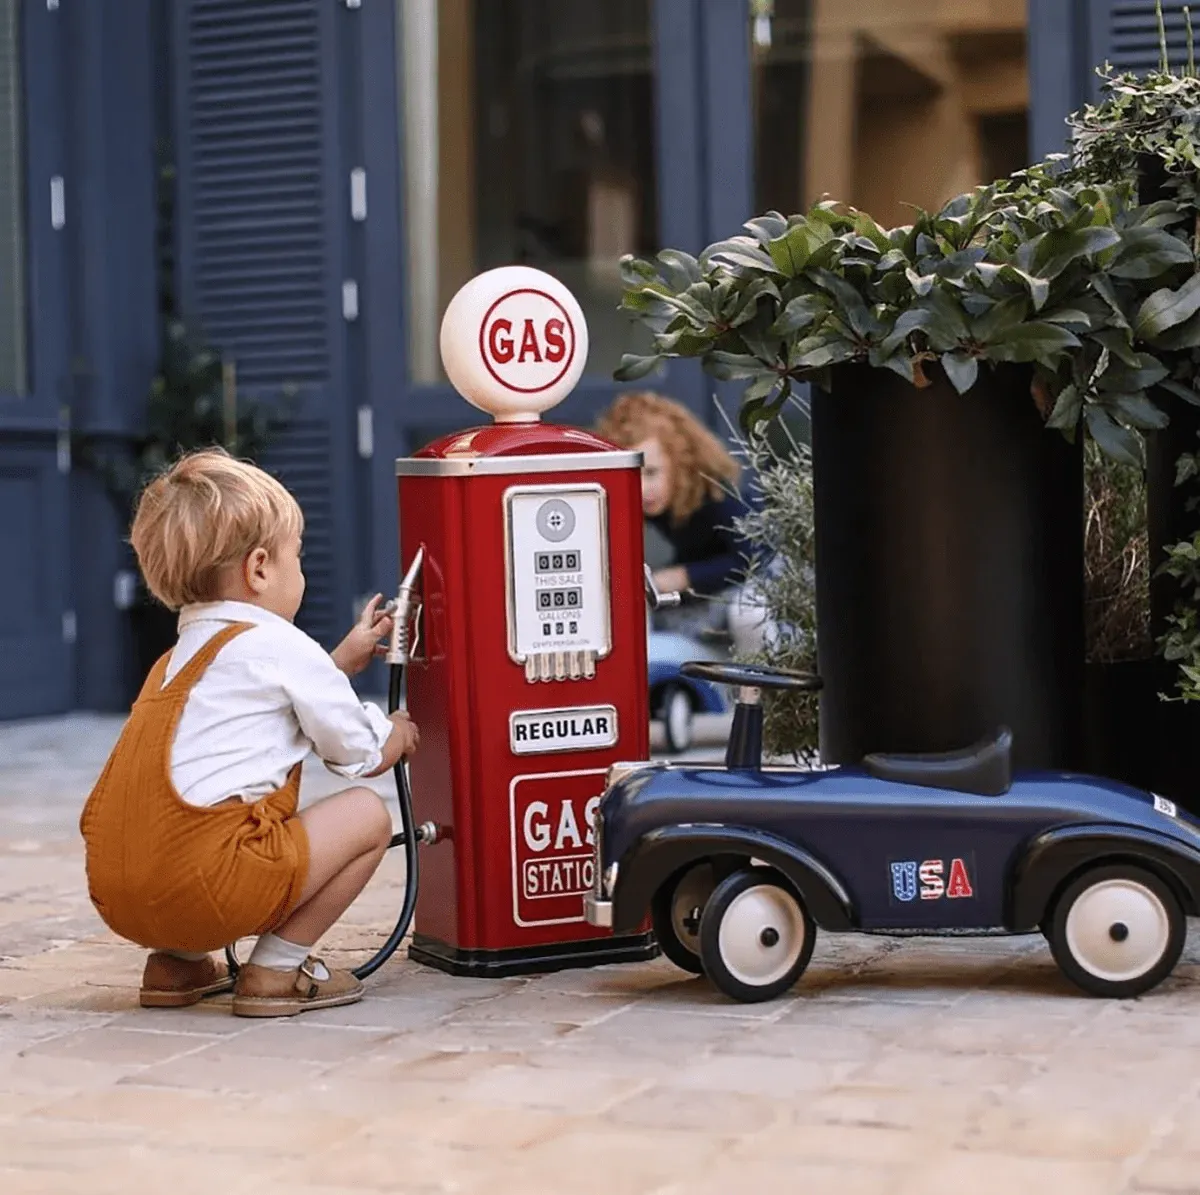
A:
557, 956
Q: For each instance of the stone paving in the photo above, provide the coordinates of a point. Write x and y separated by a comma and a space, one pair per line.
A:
895, 1066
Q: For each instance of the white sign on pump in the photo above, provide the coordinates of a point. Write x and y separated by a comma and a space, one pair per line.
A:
514, 343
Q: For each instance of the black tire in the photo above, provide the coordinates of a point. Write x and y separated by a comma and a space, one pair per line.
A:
674, 906
755, 903
1117, 931
677, 715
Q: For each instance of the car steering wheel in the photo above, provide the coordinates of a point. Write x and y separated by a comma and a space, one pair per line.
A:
752, 676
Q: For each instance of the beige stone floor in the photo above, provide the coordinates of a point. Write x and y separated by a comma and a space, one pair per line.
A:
895, 1066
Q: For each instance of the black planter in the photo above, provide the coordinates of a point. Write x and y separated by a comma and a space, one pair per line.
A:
949, 540
1132, 735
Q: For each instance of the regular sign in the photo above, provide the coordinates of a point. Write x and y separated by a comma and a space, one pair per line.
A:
514, 342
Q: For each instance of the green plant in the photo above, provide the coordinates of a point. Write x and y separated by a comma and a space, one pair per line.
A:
783, 576
186, 410
1181, 643
1144, 132
1116, 560
1069, 279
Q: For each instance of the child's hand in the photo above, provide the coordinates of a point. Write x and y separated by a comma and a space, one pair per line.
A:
406, 737
362, 644
402, 742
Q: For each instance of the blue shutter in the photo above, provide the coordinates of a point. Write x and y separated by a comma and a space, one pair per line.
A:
262, 219
1125, 34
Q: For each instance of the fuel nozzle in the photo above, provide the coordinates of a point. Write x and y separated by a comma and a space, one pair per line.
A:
657, 599
401, 609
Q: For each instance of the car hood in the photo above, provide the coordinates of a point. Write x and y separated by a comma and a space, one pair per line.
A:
668, 794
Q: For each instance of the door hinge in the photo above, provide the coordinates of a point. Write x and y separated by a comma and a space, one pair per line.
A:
354, 3
366, 432
358, 194
64, 440
350, 300
58, 202
69, 627
52, 5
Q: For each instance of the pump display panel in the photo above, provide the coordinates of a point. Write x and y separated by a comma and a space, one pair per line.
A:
558, 601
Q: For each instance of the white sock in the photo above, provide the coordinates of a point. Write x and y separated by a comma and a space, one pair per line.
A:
278, 954
188, 956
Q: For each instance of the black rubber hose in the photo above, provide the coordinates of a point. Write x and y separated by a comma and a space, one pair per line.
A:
406, 838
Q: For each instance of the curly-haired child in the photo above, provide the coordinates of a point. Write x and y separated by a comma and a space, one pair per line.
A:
193, 834
690, 495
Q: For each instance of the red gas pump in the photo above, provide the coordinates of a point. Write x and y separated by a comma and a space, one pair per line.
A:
522, 545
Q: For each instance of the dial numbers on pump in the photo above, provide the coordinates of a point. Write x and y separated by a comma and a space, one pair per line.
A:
558, 605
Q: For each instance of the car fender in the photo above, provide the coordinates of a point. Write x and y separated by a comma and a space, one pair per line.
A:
660, 853
1052, 857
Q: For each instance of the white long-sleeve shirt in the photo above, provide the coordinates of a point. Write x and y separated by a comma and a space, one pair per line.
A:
269, 697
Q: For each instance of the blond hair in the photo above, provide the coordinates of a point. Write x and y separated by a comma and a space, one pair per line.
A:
206, 512
700, 463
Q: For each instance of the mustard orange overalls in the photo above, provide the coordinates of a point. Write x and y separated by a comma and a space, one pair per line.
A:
173, 876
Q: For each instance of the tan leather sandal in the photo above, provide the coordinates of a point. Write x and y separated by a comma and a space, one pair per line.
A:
265, 992
170, 982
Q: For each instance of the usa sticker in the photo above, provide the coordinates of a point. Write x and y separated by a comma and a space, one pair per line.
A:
932, 879
1162, 805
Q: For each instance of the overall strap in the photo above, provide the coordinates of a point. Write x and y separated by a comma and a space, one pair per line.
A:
181, 683
154, 678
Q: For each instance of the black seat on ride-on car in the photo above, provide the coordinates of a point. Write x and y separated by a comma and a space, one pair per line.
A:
985, 768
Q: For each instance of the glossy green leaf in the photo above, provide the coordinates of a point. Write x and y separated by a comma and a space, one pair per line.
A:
961, 370
799, 313
633, 366
1032, 341
1115, 441
1166, 308
681, 269
1067, 408
1138, 411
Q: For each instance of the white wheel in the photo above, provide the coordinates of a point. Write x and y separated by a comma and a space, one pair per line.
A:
1117, 931
755, 936
675, 915
677, 719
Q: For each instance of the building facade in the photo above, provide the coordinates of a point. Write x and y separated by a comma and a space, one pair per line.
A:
342, 166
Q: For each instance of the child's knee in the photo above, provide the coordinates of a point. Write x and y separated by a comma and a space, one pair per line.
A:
377, 821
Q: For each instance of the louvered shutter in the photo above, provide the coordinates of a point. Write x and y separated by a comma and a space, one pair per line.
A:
12, 202
1125, 33
261, 239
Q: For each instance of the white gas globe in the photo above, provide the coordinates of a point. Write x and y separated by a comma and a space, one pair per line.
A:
514, 343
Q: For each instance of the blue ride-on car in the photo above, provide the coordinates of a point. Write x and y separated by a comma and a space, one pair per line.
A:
738, 865
676, 697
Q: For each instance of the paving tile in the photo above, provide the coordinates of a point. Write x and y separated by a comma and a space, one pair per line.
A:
1003, 1173
1178, 1174
757, 1073
625, 1159
190, 1120
224, 1071
1049, 1130
578, 1091
661, 1107
106, 1044
300, 1041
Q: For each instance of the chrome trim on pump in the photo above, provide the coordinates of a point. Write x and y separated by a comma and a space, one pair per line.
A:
567, 462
